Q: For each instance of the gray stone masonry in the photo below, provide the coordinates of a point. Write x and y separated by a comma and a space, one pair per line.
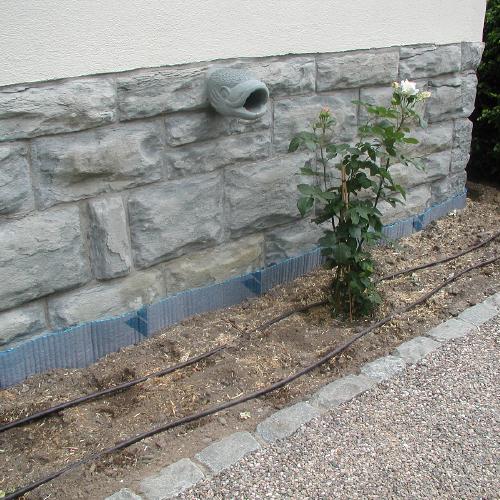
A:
451, 329
383, 368
415, 349
285, 422
225, 452
124, 494
172, 480
478, 314
116, 190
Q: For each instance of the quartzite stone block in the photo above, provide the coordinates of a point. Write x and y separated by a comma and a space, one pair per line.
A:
451, 329
340, 391
294, 75
293, 239
436, 166
171, 480
195, 126
155, 91
451, 97
208, 156
383, 368
107, 299
15, 183
76, 166
41, 254
471, 55
285, 422
461, 145
124, 494
30, 111
109, 243
357, 69
416, 349
478, 314
376, 96
448, 187
262, 195
220, 455
215, 264
429, 60
494, 301
417, 200
432, 139
297, 114
168, 220
22, 322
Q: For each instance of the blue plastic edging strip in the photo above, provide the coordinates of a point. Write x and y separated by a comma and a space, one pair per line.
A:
81, 345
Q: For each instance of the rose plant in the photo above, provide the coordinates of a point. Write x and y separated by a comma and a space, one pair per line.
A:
348, 182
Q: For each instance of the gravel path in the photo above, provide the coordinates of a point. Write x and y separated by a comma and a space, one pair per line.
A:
431, 433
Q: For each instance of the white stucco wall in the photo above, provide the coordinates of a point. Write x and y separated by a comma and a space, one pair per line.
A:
48, 39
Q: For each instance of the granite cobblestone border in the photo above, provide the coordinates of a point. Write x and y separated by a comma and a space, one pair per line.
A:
219, 455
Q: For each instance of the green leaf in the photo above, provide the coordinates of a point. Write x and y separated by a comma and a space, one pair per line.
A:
411, 140
306, 189
355, 232
294, 145
305, 204
307, 170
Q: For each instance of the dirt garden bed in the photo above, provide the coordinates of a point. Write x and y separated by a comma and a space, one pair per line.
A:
253, 361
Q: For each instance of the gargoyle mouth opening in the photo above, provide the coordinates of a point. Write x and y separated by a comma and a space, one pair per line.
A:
256, 100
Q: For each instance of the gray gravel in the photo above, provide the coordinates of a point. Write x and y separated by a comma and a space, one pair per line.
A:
431, 432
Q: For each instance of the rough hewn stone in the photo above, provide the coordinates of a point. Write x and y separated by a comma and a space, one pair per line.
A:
432, 139
107, 299
124, 494
436, 166
493, 301
168, 220
469, 89
109, 244
171, 480
220, 455
383, 368
262, 195
215, 264
357, 69
377, 96
31, 111
293, 239
429, 60
478, 314
22, 322
417, 200
451, 97
155, 91
41, 254
471, 55
285, 422
461, 145
416, 349
451, 329
208, 156
195, 126
342, 390
76, 166
294, 75
15, 184
295, 115
449, 186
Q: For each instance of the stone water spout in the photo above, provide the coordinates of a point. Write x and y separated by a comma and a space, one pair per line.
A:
237, 92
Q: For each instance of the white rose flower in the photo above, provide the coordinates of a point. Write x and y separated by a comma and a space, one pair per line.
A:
409, 88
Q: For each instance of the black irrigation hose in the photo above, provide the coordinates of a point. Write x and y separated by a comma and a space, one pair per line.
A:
113, 390
242, 399
105, 392
323, 302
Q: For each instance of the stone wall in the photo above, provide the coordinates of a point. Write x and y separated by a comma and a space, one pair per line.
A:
116, 190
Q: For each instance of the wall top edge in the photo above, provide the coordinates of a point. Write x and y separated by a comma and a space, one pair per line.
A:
17, 86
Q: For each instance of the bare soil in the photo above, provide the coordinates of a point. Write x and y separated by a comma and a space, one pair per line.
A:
254, 360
